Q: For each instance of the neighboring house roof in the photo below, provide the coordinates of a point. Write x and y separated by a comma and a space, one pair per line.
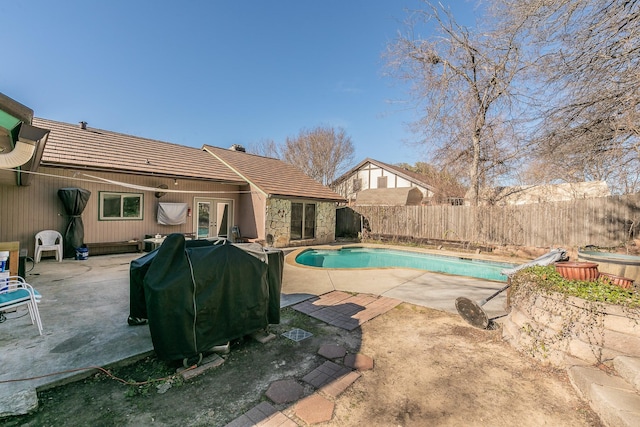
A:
272, 176
414, 177
95, 149
404, 196
523, 194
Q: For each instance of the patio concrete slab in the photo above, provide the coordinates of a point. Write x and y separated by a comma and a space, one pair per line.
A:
84, 312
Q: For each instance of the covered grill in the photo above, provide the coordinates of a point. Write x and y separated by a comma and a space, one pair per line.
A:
197, 295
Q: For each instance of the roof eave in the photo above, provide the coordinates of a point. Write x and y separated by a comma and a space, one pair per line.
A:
140, 173
319, 199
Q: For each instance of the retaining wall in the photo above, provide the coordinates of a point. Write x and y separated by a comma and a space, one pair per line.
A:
554, 329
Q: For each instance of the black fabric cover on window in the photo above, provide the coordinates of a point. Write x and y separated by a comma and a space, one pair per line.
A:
74, 201
197, 295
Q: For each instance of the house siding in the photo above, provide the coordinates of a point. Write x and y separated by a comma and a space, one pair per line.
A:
368, 175
26, 210
252, 214
278, 222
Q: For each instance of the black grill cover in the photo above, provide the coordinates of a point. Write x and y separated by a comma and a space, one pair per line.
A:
197, 295
74, 201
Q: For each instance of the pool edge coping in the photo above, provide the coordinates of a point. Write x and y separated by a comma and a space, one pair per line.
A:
290, 258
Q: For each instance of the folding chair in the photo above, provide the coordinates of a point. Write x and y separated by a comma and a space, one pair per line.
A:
15, 292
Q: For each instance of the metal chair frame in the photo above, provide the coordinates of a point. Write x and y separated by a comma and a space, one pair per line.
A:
15, 292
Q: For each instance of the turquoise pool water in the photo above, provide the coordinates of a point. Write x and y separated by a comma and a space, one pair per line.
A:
377, 258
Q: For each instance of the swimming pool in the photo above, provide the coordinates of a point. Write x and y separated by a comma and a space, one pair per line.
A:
358, 257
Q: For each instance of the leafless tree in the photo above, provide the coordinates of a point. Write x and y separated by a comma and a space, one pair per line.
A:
465, 81
588, 59
323, 152
266, 148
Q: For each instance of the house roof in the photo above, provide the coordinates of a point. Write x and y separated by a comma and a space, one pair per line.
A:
272, 176
403, 196
410, 176
96, 149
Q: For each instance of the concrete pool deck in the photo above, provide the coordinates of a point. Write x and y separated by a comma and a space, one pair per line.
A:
428, 289
85, 305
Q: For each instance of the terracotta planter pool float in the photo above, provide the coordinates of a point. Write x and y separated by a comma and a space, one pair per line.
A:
623, 282
574, 270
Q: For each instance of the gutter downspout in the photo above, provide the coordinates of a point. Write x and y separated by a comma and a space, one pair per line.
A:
28, 138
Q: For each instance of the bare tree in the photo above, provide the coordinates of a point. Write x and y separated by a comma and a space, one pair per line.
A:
464, 80
588, 59
266, 148
323, 153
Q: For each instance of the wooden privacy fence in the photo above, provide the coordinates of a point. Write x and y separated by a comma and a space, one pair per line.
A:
604, 222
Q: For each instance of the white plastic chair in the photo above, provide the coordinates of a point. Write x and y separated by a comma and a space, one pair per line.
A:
15, 292
48, 240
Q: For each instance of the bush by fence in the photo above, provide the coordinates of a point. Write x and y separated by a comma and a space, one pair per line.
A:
605, 222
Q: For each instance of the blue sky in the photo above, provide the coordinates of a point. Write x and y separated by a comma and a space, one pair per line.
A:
214, 72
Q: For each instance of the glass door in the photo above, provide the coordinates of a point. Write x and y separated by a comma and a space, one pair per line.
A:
213, 218
222, 219
203, 219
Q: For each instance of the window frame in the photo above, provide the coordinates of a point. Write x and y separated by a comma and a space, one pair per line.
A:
303, 222
122, 195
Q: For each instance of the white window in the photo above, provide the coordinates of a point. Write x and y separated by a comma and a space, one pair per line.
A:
120, 206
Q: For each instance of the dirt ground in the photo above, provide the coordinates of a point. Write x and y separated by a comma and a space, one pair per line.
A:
431, 368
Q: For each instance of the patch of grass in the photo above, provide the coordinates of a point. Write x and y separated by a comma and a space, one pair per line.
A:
291, 319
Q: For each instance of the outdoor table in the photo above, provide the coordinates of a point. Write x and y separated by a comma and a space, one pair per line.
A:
155, 242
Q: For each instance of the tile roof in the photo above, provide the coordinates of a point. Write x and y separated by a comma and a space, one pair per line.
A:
273, 176
403, 196
95, 149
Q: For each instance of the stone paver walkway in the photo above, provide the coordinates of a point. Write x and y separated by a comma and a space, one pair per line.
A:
329, 380
325, 373
345, 310
263, 415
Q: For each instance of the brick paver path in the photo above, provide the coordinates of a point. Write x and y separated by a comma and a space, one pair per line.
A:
284, 391
344, 310
329, 379
325, 373
263, 415
314, 409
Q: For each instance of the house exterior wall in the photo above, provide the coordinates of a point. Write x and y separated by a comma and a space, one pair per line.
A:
26, 210
368, 176
278, 222
251, 218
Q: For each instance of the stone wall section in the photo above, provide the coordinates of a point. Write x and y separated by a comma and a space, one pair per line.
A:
278, 223
557, 330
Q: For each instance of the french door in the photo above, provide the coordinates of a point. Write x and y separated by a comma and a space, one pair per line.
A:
213, 217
